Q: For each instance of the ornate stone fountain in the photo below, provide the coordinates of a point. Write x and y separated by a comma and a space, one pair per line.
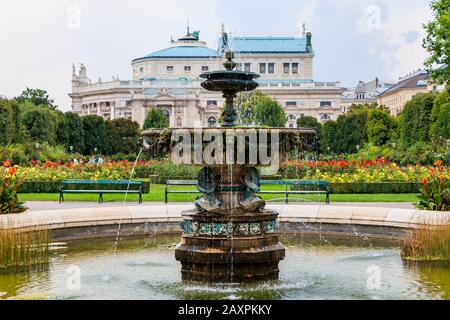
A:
230, 236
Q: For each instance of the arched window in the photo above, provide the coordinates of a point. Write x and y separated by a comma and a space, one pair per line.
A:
291, 117
325, 117
212, 122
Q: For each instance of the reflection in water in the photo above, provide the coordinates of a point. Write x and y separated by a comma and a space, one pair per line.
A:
145, 268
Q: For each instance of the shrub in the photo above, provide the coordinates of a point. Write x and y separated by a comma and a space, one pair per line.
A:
10, 183
435, 191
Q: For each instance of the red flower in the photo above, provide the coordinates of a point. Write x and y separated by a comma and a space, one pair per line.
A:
438, 163
7, 163
425, 181
12, 171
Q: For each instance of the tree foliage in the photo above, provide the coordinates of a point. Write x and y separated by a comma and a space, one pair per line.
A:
94, 134
122, 136
381, 127
416, 119
268, 112
76, 132
440, 117
38, 97
437, 42
155, 120
41, 125
309, 122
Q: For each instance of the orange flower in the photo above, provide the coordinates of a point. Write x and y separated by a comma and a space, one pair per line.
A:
7, 163
425, 181
12, 171
438, 163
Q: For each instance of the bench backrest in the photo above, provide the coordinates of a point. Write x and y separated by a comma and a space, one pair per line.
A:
111, 182
295, 183
181, 183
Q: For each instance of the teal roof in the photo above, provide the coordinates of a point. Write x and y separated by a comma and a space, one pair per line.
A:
280, 45
183, 52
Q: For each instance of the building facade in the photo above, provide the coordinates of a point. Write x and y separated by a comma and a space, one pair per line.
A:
399, 94
364, 93
169, 80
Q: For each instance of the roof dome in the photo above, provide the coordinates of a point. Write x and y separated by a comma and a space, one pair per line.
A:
184, 52
188, 46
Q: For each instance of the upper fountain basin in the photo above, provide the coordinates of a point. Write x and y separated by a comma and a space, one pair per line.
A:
229, 80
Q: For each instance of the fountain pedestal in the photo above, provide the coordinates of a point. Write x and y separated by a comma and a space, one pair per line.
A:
235, 242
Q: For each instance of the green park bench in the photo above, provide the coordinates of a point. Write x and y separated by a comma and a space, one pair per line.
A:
298, 187
292, 187
101, 187
177, 183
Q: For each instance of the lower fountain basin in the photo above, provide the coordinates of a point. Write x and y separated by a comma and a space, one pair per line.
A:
144, 269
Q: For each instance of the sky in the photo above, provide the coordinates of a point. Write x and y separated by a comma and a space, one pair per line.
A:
353, 39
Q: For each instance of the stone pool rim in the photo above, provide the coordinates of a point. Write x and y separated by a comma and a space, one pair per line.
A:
90, 223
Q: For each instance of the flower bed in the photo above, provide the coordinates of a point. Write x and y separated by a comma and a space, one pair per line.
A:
334, 171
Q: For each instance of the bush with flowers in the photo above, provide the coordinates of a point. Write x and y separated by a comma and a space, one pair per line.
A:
9, 185
435, 193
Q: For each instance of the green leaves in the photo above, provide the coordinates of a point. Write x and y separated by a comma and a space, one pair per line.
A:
155, 120
437, 42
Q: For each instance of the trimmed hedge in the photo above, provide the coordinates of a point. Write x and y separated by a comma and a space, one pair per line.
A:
372, 187
53, 187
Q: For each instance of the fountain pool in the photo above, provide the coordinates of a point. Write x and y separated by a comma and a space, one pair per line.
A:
144, 268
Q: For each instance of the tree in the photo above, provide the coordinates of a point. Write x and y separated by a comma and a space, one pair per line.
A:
268, 112
62, 128
440, 117
351, 131
6, 123
94, 134
41, 124
309, 122
36, 96
381, 127
328, 137
155, 120
123, 136
437, 42
76, 132
416, 119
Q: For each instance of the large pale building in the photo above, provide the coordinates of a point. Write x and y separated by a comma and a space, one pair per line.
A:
399, 94
169, 80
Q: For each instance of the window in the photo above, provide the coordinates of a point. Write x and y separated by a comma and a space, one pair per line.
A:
271, 68
108, 104
291, 125
167, 115
325, 103
291, 117
286, 68
291, 103
205, 68
211, 103
239, 66
302, 115
141, 69
262, 68
295, 68
247, 67
212, 122
187, 68
179, 122
325, 117
169, 68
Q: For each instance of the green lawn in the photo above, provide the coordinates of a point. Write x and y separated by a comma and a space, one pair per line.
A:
157, 195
